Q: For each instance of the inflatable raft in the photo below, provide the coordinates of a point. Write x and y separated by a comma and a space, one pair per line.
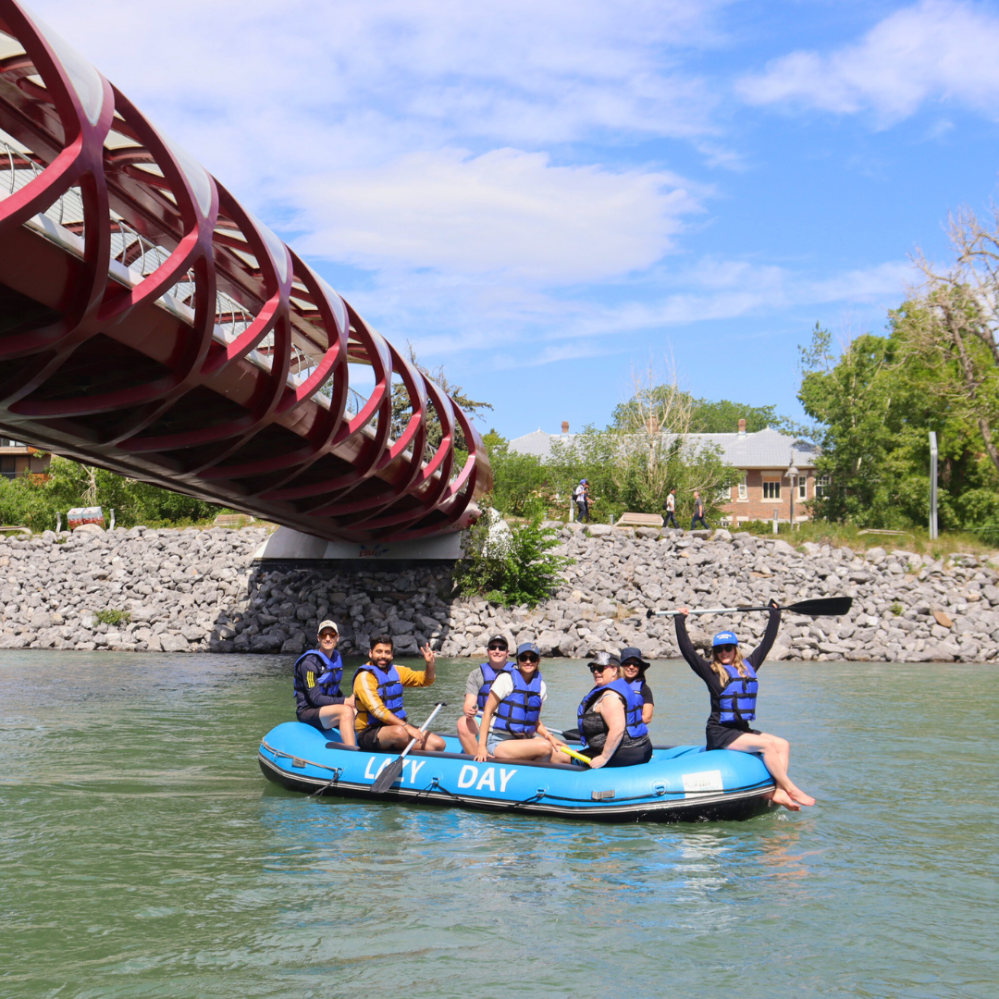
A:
679, 783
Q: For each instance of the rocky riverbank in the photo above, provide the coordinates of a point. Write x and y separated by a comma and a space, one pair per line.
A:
177, 591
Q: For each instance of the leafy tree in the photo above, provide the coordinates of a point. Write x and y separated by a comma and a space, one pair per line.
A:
877, 403
35, 504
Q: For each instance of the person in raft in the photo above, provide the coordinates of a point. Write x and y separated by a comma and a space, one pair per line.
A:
318, 698
511, 727
610, 718
477, 688
731, 679
633, 668
381, 718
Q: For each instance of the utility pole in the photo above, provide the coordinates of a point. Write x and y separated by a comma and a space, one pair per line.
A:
933, 485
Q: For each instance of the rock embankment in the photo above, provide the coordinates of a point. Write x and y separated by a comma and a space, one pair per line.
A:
197, 590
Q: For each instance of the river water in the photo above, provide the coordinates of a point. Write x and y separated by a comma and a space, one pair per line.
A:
144, 855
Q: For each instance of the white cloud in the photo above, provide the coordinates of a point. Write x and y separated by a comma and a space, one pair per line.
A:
936, 50
504, 211
517, 72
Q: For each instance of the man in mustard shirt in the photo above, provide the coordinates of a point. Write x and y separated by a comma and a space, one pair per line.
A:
381, 723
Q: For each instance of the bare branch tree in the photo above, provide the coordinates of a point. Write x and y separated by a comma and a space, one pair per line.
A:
962, 309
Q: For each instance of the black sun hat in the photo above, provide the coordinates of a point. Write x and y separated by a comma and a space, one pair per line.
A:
633, 653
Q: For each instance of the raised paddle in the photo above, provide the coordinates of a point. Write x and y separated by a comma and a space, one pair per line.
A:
387, 777
818, 607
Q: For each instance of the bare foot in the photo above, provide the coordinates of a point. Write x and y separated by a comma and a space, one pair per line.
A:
802, 798
781, 797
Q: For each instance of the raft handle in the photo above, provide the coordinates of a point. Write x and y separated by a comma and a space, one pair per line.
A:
660, 789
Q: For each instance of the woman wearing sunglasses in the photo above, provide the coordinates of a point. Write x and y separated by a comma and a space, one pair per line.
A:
732, 683
610, 718
477, 687
511, 726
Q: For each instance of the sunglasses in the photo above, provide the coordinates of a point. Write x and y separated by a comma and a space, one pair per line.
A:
496, 648
726, 648
600, 669
528, 657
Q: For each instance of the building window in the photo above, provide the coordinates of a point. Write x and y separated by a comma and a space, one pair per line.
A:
744, 488
8, 467
802, 488
771, 489
822, 485
7, 442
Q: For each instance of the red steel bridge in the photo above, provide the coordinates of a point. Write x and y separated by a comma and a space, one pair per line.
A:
149, 324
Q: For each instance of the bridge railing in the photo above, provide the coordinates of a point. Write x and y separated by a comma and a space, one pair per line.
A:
250, 334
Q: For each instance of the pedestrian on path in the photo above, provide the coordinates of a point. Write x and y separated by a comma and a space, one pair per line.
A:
581, 496
669, 505
698, 512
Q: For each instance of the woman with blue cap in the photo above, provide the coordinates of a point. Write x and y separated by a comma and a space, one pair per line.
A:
733, 685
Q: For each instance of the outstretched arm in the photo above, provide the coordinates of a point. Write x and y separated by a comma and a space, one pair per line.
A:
687, 650
770, 636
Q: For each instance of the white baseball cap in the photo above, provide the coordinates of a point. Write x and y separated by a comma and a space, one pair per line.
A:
327, 624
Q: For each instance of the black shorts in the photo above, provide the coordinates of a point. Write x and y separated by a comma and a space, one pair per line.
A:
628, 756
368, 739
721, 736
311, 717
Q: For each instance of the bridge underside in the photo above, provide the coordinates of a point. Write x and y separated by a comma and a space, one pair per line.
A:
150, 325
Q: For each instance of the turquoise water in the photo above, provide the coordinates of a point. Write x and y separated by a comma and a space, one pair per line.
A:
145, 855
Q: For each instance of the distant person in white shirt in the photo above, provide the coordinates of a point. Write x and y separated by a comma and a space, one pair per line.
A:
669, 505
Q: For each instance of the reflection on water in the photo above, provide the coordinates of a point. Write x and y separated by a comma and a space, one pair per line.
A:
144, 854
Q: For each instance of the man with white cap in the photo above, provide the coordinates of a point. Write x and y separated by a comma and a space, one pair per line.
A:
318, 698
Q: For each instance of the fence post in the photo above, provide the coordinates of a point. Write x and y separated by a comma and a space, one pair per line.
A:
933, 485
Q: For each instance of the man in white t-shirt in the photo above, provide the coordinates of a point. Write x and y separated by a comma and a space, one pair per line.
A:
511, 726
669, 505
477, 688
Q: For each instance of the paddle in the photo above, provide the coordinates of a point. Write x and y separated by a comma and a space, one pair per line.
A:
817, 607
392, 772
576, 756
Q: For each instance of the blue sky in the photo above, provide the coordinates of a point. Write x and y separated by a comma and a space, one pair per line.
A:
546, 198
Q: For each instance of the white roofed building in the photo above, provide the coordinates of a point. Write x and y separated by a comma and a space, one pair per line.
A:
763, 457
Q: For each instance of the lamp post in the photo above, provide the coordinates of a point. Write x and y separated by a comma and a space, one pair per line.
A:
792, 474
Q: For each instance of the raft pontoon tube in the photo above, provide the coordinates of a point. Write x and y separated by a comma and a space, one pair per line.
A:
679, 783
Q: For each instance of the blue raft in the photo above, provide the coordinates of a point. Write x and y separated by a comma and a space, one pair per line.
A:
679, 783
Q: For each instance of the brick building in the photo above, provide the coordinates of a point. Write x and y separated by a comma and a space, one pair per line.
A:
763, 457
17, 458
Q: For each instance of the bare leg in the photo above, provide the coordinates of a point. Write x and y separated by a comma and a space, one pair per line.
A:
394, 737
468, 734
774, 761
339, 716
523, 749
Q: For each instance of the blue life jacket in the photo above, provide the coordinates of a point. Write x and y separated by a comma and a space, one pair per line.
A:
737, 699
328, 682
634, 727
389, 690
520, 710
636, 685
489, 676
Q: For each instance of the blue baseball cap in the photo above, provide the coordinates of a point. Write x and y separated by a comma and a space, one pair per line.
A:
528, 647
724, 638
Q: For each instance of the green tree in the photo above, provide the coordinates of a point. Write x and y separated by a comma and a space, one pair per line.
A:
70, 484
877, 403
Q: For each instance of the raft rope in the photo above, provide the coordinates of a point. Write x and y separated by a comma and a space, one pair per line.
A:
280, 753
436, 785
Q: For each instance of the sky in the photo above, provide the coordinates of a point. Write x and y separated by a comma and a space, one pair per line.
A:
548, 199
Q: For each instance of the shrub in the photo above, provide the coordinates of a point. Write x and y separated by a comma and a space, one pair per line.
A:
515, 569
112, 618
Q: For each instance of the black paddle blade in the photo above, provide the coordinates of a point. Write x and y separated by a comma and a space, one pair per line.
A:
388, 776
822, 607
